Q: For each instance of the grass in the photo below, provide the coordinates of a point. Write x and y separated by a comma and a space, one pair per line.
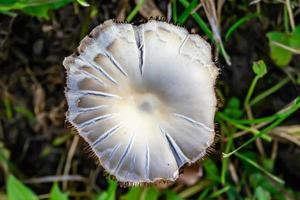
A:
245, 168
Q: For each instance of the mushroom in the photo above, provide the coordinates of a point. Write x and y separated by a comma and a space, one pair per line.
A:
143, 98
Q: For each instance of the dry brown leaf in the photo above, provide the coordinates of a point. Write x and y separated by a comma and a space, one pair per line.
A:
149, 9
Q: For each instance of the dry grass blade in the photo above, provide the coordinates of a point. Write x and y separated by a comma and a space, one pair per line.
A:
287, 133
210, 11
49, 179
69, 159
149, 9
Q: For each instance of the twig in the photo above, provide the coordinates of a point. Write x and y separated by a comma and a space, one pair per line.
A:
49, 179
290, 12
293, 50
69, 159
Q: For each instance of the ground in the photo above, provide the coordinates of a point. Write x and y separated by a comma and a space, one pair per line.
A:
38, 147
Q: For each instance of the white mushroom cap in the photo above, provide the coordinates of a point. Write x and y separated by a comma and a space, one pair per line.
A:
143, 98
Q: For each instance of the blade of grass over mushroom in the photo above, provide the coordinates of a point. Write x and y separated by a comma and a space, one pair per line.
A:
188, 10
136, 9
174, 11
199, 21
240, 22
295, 105
253, 163
210, 11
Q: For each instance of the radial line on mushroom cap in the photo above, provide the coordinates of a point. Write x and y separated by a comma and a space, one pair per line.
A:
147, 163
139, 38
91, 76
112, 153
85, 110
91, 121
180, 158
115, 63
183, 43
96, 93
193, 121
132, 164
108, 133
127, 150
99, 68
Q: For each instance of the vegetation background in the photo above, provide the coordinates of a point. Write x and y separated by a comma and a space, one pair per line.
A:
256, 45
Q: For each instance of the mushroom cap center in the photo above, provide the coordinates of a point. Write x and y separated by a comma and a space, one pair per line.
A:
148, 103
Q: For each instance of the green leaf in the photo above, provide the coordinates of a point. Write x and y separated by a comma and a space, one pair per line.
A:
151, 194
279, 55
43, 9
295, 38
16, 190
212, 170
110, 193
83, 3
268, 164
132, 194
232, 109
259, 68
171, 195
259, 180
37, 8
57, 194
298, 79
261, 194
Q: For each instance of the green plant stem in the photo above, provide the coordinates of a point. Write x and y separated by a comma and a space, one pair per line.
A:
242, 127
250, 91
285, 114
219, 192
247, 121
199, 21
253, 163
136, 9
205, 192
269, 91
174, 10
186, 13
286, 20
239, 23
194, 189
225, 161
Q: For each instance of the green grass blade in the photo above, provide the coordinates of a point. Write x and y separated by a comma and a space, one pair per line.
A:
136, 9
174, 11
219, 192
269, 91
186, 13
199, 21
247, 121
254, 164
285, 114
240, 22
